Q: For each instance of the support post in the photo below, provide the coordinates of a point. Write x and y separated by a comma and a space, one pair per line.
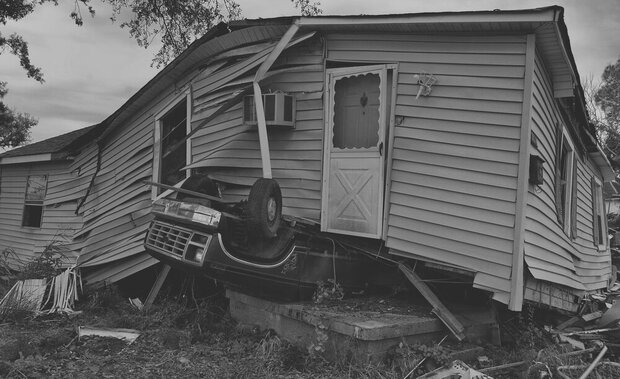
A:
159, 281
438, 308
258, 98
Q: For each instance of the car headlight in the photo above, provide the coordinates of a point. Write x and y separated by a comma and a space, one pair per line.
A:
187, 212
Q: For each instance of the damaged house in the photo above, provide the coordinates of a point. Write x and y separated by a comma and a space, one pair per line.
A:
459, 140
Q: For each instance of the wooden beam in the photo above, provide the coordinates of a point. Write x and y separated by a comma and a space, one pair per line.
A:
262, 132
258, 98
159, 281
516, 277
438, 308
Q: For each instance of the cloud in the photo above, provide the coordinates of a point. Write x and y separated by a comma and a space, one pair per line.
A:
90, 71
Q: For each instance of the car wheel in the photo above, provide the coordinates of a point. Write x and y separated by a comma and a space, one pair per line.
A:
264, 208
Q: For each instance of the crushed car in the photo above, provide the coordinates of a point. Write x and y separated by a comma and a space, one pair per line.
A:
250, 246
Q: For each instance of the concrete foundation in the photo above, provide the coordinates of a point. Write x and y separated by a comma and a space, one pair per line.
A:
364, 335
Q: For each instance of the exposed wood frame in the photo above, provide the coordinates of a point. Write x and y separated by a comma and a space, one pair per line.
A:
185, 95
515, 302
258, 98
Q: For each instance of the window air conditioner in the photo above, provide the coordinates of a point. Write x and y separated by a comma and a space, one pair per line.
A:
279, 110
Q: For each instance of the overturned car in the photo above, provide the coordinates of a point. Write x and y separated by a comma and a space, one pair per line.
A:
250, 246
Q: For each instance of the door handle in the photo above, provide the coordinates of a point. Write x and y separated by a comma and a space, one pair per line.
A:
381, 149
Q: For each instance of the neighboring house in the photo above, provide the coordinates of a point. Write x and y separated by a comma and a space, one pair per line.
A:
425, 131
40, 189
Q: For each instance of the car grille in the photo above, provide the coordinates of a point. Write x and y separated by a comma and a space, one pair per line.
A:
168, 238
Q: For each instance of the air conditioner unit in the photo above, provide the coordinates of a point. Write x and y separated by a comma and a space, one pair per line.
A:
279, 110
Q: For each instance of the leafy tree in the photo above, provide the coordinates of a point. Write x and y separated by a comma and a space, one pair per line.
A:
307, 8
608, 94
176, 23
604, 107
14, 127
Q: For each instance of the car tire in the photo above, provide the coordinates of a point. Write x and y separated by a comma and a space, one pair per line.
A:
264, 208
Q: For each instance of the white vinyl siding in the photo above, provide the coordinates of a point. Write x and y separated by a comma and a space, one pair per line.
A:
455, 152
550, 252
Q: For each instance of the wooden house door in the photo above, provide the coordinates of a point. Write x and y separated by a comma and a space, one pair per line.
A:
353, 170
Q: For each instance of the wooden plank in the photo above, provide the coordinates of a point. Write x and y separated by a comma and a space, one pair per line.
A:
438, 308
159, 281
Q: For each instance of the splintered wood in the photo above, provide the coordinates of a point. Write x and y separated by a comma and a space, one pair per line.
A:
41, 296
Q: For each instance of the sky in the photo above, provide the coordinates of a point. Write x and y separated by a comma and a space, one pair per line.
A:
90, 71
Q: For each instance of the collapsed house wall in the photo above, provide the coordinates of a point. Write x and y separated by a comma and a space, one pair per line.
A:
229, 151
117, 209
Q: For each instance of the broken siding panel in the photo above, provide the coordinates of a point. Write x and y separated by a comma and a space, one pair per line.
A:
455, 157
101, 275
229, 151
551, 254
117, 211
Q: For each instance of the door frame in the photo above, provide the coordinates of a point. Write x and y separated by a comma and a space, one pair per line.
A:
387, 114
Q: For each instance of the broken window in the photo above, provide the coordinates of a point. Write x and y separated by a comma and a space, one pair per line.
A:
566, 183
173, 145
36, 188
599, 227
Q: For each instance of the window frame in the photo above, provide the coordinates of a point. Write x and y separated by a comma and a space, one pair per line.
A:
30, 203
569, 170
157, 138
599, 236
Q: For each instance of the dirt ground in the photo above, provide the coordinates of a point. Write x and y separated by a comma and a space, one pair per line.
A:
185, 338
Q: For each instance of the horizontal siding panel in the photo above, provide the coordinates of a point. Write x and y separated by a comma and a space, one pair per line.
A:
461, 211
450, 220
458, 176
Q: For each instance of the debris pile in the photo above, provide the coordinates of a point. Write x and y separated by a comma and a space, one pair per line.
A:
43, 296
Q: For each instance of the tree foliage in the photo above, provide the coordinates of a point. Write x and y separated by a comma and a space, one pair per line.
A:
14, 127
176, 23
308, 8
604, 107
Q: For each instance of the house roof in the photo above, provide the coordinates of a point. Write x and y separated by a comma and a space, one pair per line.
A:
55, 148
547, 23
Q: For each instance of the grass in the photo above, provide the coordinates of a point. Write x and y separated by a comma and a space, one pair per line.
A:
186, 334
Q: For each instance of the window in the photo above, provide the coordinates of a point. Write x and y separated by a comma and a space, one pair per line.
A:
171, 147
599, 222
357, 111
33, 204
566, 182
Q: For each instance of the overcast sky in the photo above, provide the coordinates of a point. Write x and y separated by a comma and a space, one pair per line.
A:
92, 70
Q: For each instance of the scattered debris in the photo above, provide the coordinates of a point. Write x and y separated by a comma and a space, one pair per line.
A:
64, 289
26, 295
457, 369
42, 296
129, 335
136, 303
